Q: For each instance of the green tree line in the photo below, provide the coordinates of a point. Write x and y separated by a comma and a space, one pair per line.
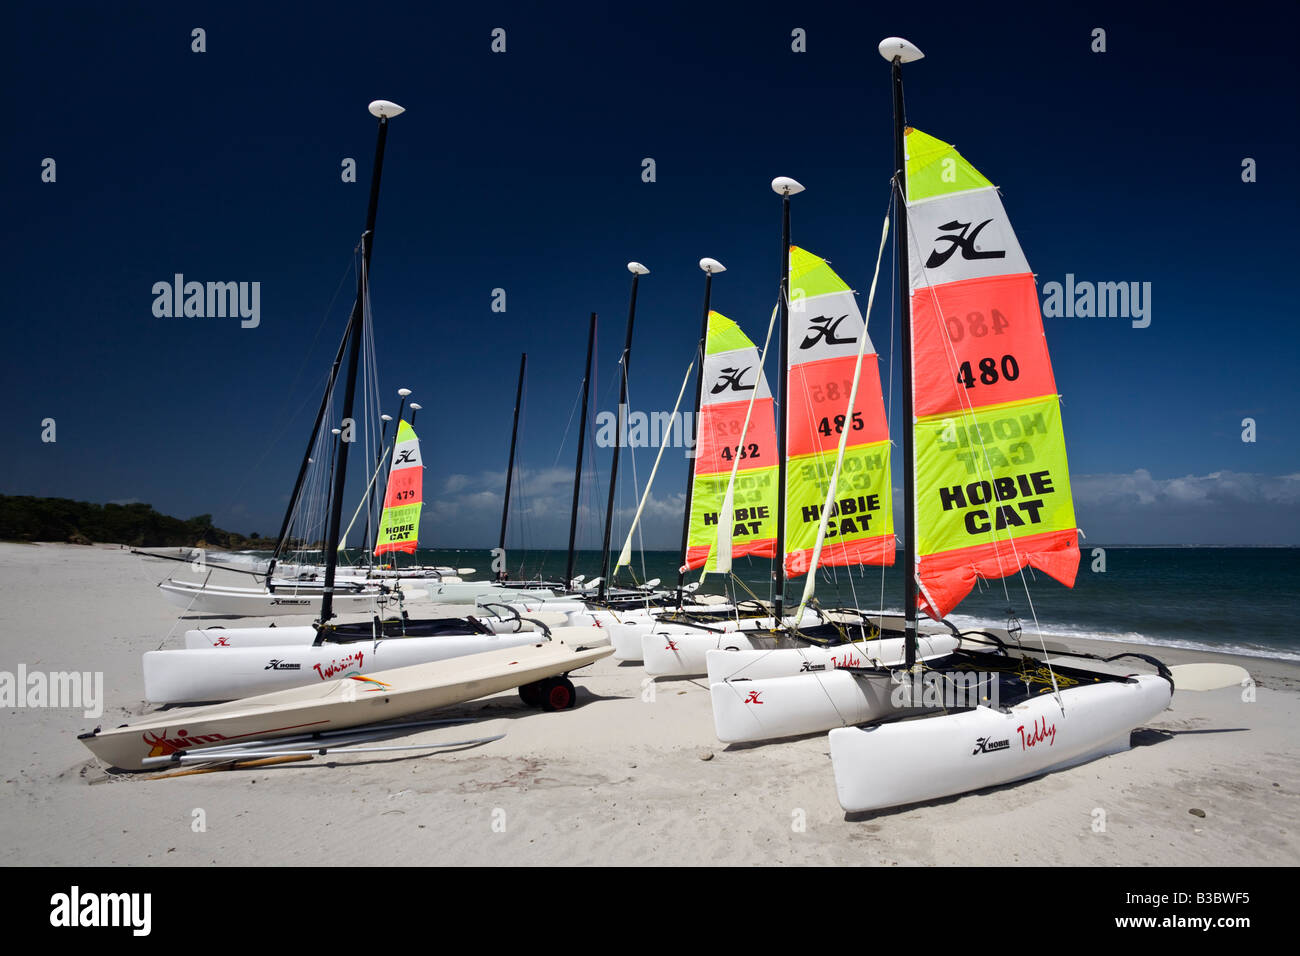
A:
27, 518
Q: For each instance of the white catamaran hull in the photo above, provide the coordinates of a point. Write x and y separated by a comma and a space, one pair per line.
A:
791, 662
816, 699
469, 592
227, 673
259, 602
343, 703
895, 764
674, 650
306, 634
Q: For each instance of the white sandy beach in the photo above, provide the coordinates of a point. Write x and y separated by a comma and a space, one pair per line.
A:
618, 780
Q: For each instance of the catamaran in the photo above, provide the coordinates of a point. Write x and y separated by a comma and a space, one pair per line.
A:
222, 664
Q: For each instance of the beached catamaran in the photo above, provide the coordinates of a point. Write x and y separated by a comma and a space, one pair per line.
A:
828, 406
987, 494
349, 651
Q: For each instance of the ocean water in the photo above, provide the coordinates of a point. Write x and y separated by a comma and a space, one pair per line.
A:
1231, 600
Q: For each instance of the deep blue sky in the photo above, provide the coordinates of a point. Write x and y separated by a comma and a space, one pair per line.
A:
523, 171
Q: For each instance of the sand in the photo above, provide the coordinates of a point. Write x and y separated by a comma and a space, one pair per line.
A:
632, 775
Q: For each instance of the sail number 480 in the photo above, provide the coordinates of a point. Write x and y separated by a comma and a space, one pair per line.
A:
976, 324
988, 371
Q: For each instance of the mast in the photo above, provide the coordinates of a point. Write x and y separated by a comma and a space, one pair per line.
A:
637, 271
577, 469
709, 266
383, 109
510, 467
899, 51
785, 187
306, 456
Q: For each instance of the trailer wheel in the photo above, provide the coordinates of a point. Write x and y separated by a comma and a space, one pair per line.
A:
531, 694
558, 693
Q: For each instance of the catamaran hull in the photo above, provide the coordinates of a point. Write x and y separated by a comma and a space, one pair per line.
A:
791, 706
670, 651
258, 602
339, 704
792, 662
227, 673
468, 592
306, 634
681, 651
895, 764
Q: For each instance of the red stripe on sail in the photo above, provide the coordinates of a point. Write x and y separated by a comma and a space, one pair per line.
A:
819, 393
720, 429
405, 547
698, 555
987, 349
948, 576
878, 550
404, 487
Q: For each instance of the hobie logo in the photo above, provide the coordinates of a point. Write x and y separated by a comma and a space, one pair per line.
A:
962, 241
407, 457
823, 330
984, 745
281, 665
731, 379
212, 300
753, 697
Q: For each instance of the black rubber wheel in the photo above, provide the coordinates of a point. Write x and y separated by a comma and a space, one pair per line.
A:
558, 693
531, 694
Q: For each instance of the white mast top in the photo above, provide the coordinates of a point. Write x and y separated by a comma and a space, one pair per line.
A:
905, 50
712, 265
386, 108
785, 186
637, 269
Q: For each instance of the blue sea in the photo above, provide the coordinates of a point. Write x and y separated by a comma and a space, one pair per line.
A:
1230, 600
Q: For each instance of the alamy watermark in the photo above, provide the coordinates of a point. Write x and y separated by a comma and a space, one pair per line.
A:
1103, 300
209, 300
54, 689
639, 429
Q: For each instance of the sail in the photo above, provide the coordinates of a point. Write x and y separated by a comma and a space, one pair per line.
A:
731, 373
400, 526
992, 486
824, 330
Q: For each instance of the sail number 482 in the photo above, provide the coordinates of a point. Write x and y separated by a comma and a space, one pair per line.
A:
746, 451
988, 371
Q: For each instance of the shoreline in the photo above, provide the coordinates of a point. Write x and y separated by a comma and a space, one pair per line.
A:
633, 775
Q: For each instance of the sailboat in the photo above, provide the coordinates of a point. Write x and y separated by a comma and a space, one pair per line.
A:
987, 494
236, 664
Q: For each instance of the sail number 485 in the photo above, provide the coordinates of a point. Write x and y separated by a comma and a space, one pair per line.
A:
826, 424
988, 371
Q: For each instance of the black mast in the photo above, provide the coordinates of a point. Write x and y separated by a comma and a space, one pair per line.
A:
898, 51
785, 188
306, 456
577, 469
637, 271
383, 110
510, 467
709, 266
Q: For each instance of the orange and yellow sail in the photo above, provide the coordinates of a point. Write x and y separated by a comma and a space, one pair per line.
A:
732, 376
399, 528
824, 331
992, 484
